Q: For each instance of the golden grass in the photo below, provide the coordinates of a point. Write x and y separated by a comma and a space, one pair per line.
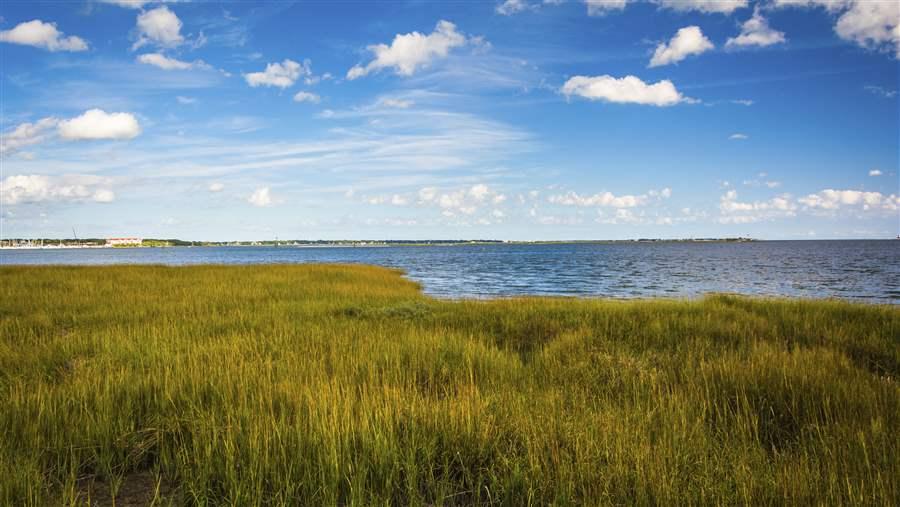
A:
340, 385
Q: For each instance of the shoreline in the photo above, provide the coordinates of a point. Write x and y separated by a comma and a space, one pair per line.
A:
401, 244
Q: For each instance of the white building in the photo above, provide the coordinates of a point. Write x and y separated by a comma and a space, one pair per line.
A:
123, 241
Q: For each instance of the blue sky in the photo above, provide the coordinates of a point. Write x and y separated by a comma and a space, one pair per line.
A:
525, 120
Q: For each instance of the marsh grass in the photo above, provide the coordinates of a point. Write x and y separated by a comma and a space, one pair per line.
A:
344, 385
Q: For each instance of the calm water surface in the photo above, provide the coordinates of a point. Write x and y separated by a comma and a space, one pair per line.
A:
860, 270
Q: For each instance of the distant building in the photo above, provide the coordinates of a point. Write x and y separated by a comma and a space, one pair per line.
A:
123, 241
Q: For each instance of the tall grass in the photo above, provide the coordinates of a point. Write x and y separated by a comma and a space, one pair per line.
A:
343, 385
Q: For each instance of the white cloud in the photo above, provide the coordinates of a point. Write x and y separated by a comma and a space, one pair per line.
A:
761, 181
310, 79
166, 63
261, 197
626, 90
26, 134
393, 200
687, 41
756, 32
875, 172
510, 7
307, 97
103, 195
830, 199
738, 137
743, 102
216, 187
881, 92
737, 212
479, 191
23, 188
410, 51
708, 6
428, 194
282, 74
185, 100
93, 124
98, 124
872, 24
159, 26
627, 216
130, 4
452, 203
831, 5
42, 35
601, 7
396, 103
608, 199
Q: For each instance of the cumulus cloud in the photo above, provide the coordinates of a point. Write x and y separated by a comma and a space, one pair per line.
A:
307, 97
281, 75
687, 41
93, 124
708, 6
875, 172
756, 32
185, 100
827, 201
411, 51
510, 7
601, 7
738, 137
872, 24
98, 124
166, 63
42, 35
428, 194
831, 200
28, 188
738, 212
159, 26
461, 202
26, 134
626, 90
261, 197
608, 199
216, 187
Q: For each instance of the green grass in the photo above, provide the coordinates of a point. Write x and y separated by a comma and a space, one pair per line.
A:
344, 385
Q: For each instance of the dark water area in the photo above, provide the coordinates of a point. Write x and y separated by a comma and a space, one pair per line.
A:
863, 270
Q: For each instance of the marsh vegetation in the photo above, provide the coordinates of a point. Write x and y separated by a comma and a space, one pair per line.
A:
344, 385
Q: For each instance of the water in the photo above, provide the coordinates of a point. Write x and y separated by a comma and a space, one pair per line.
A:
859, 270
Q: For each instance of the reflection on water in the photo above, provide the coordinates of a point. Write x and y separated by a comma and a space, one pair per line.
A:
863, 270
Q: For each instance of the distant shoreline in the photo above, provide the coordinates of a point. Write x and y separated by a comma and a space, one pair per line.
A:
67, 244
39, 244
